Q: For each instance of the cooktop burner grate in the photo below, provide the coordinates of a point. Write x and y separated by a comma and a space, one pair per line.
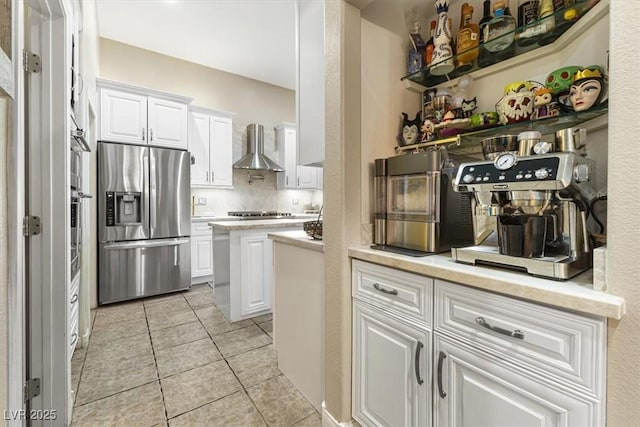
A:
259, 214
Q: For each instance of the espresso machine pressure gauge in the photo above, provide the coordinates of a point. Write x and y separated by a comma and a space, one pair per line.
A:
505, 161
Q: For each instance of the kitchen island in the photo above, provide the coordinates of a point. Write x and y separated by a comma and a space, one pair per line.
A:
243, 265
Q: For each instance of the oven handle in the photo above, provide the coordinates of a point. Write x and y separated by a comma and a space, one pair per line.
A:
77, 196
146, 244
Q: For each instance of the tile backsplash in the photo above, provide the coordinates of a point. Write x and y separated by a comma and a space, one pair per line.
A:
259, 196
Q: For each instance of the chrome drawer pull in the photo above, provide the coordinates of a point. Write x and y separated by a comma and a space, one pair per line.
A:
515, 334
386, 291
74, 298
74, 339
441, 358
417, 363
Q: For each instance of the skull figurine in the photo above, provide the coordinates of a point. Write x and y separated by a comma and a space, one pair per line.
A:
515, 107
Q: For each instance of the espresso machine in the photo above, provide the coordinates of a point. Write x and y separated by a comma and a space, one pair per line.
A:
417, 212
530, 212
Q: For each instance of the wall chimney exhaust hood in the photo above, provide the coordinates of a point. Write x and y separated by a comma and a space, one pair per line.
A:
255, 158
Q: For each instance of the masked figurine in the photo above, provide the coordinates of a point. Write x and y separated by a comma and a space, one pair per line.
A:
468, 106
588, 88
410, 132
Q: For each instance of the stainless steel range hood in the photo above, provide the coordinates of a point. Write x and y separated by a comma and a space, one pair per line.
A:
255, 158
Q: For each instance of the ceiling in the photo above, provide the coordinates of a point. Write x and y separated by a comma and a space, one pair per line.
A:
251, 38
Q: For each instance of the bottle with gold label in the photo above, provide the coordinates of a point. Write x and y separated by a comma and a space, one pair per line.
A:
467, 40
429, 49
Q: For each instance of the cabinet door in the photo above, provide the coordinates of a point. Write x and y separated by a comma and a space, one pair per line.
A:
290, 162
307, 177
310, 90
471, 389
123, 117
167, 123
202, 256
256, 275
391, 370
221, 131
199, 148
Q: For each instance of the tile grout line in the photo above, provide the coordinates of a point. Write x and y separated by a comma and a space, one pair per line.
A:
243, 388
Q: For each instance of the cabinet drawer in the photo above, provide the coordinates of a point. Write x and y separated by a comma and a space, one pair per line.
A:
406, 294
558, 344
199, 228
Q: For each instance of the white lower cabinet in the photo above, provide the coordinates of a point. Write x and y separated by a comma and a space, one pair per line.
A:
495, 360
475, 389
201, 252
256, 252
392, 377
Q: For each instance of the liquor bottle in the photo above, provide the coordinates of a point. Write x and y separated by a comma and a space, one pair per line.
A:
429, 49
415, 61
467, 40
485, 57
499, 32
547, 22
527, 15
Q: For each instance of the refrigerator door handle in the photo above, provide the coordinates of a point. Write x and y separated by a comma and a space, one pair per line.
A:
145, 244
153, 193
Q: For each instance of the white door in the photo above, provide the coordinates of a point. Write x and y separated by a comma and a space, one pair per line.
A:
471, 389
201, 256
307, 177
391, 370
256, 275
123, 117
221, 129
167, 123
290, 159
199, 148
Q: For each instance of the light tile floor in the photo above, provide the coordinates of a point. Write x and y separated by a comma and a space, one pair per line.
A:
175, 360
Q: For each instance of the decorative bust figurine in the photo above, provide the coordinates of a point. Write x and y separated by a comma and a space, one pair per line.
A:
587, 89
410, 132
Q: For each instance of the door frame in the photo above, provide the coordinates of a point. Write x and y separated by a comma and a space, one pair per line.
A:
47, 136
15, 213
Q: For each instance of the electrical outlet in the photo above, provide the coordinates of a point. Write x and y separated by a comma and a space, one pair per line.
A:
294, 201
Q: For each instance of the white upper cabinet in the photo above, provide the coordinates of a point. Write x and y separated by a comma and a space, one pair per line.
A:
134, 115
294, 176
167, 121
310, 82
210, 144
123, 117
220, 153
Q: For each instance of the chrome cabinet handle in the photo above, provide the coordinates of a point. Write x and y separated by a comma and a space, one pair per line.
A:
286, 178
143, 134
150, 134
298, 182
74, 339
74, 298
206, 174
441, 358
417, 363
213, 174
515, 334
377, 287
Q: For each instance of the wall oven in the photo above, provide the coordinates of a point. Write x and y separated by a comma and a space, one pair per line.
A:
78, 146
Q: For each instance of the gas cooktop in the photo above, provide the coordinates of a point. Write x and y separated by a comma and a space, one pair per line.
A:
259, 214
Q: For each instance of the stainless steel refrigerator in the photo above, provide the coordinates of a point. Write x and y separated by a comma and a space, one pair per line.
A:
144, 223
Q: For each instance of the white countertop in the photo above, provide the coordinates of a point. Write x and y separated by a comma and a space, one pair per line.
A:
252, 224
297, 238
575, 294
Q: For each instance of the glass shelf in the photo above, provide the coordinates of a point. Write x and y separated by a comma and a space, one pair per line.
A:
545, 126
520, 45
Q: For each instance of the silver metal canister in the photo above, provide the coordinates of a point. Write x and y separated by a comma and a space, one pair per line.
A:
571, 140
380, 191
